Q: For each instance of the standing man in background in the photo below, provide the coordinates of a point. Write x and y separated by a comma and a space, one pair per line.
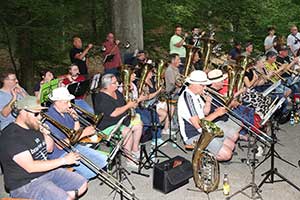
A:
176, 45
78, 55
112, 57
293, 40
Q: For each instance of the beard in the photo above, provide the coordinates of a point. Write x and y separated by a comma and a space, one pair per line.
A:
34, 125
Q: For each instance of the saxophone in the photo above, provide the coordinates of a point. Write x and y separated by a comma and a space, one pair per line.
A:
206, 172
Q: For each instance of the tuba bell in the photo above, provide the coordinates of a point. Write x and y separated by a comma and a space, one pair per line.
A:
206, 172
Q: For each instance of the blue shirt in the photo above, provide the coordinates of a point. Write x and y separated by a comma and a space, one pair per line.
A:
5, 98
65, 120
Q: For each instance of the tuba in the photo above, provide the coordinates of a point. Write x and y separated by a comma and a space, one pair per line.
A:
206, 172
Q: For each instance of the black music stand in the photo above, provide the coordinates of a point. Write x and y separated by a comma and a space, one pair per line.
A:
148, 163
254, 188
269, 175
79, 88
170, 127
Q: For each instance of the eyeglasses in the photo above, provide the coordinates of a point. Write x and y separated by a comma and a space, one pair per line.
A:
34, 113
11, 79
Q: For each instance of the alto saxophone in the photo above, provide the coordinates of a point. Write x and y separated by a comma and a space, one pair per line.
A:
206, 172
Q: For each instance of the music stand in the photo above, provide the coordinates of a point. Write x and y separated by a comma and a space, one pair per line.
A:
254, 188
46, 89
269, 175
170, 127
79, 88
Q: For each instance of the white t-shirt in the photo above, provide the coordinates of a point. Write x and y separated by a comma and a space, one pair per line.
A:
189, 105
293, 43
269, 42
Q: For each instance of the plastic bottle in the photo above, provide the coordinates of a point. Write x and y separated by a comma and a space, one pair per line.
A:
292, 119
296, 118
226, 186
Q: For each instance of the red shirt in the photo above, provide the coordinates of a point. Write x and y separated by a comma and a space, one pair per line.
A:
79, 78
112, 48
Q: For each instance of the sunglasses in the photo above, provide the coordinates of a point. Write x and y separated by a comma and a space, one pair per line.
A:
34, 113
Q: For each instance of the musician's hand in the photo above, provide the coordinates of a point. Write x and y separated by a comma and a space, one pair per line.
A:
132, 104
89, 130
186, 35
234, 103
117, 42
71, 158
143, 97
296, 60
73, 113
221, 111
45, 129
90, 46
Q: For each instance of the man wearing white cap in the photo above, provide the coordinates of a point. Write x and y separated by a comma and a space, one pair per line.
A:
23, 153
230, 128
62, 112
192, 108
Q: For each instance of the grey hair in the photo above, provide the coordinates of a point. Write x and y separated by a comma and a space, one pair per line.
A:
106, 80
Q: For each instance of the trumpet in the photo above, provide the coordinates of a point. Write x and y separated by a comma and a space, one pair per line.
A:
101, 174
287, 70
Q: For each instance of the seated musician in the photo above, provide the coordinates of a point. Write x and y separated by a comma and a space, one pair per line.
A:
23, 153
149, 114
276, 72
9, 93
171, 75
46, 76
74, 77
230, 128
235, 52
112, 104
192, 108
62, 112
285, 61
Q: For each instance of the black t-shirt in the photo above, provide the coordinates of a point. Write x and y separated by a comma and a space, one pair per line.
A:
285, 60
106, 104
80, 63
216, 102
249, 74
15, 140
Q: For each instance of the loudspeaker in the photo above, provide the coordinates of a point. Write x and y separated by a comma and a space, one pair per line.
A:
172, 174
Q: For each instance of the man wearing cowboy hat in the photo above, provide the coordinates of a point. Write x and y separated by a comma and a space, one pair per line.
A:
23, 153
230, 128
192, 108
62, 112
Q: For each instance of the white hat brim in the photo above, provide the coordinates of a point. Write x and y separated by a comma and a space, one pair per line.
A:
66, 98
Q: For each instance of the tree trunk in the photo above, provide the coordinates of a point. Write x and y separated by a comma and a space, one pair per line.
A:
26, 64
128, 22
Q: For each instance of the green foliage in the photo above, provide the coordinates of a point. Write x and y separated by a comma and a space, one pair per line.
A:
51, 24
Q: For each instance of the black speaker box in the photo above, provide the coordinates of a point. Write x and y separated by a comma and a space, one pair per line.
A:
169, 175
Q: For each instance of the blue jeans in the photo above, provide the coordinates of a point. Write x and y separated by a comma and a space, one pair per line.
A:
51, 186
147, 121
84, 105
95, 156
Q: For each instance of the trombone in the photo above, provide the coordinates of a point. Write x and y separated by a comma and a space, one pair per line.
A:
239, 120
87, 118
101, 174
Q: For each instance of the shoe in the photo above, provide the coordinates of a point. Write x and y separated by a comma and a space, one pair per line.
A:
189, 147
260, 151
136, 155
165, 131
159, 142
131, 164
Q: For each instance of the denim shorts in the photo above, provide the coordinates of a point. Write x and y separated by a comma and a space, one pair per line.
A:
50, 186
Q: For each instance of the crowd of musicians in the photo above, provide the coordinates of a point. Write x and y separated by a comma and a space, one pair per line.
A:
139, 94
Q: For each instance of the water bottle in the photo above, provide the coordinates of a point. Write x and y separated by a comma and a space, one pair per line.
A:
226, 186
292, 119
